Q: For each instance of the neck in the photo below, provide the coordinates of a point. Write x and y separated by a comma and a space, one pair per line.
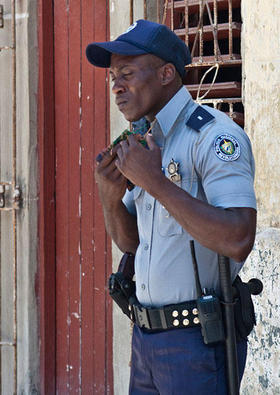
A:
169, 93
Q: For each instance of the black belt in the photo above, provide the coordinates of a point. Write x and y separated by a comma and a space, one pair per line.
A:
181, 315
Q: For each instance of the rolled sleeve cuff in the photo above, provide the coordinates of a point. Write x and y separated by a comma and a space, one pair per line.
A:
234, 200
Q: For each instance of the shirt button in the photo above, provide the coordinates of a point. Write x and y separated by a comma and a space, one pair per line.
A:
146, 247
148, 206
143, 286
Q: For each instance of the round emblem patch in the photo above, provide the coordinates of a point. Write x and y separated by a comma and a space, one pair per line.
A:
131, 27
227, 147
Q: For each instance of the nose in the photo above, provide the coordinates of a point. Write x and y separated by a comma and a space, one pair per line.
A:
117, 87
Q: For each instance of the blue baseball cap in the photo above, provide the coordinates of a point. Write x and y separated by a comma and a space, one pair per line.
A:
142, 37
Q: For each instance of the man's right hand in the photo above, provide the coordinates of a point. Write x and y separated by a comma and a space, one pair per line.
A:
120, 224
111, 183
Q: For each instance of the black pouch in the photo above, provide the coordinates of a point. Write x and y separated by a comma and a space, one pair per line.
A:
244, 313
121, 284
121, 289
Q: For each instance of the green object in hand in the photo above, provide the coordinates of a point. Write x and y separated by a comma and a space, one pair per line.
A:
124, 136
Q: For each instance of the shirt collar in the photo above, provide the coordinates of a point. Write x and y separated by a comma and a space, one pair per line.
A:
169, 113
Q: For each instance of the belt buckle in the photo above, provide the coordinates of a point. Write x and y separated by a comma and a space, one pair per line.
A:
141, 317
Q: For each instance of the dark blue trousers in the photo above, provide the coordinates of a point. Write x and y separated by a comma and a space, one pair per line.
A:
177, 362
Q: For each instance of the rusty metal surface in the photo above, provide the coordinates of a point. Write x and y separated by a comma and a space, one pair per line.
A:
230, 27
207, 29
197, 36
201, 32
208, 61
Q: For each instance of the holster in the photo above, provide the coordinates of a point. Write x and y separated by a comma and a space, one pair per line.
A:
244, 312
122, 290
121, 284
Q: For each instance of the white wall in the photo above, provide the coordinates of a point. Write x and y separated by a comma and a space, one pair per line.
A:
261, 91
119, 22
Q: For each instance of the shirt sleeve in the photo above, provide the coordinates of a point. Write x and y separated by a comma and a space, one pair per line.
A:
128, 201
225, 164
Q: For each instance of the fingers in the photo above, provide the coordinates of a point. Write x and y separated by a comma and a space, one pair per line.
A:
100, 156
151, 142
104, 158
109, 174
122, 150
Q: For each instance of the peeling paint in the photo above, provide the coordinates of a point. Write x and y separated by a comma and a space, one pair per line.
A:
80, 156
80, 205
76, 315
262, 368
80, 90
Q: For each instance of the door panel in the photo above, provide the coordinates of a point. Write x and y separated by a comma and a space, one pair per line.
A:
83, 257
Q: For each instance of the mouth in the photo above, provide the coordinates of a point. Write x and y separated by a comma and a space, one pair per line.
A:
121, 103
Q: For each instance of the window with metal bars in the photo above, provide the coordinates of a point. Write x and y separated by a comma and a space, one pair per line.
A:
212, 30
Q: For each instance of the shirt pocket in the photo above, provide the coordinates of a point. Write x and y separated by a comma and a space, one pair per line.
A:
168, 226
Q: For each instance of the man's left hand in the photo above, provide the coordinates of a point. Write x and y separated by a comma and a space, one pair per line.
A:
138, 164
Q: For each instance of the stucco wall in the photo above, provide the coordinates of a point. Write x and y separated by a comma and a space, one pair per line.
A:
261, 90
262, 369
120, 20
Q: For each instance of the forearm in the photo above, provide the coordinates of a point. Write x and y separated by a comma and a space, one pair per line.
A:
229, 232
121, 226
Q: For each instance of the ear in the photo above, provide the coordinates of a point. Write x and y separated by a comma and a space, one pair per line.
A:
167, 73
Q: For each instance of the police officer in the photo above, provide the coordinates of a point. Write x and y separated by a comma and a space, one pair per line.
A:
194, 182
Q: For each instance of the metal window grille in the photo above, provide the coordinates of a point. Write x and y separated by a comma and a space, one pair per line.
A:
212, 30
9, 201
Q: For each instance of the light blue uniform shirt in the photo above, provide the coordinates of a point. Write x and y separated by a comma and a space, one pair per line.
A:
163, 264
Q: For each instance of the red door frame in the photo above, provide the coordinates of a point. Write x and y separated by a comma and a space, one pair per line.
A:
46, 205
46, 284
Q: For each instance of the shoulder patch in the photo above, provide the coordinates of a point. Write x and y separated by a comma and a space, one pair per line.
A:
199, 118
227, 147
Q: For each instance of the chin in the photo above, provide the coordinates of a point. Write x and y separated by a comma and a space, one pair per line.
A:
132, 118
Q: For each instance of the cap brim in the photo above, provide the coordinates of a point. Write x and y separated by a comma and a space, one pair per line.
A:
99, 54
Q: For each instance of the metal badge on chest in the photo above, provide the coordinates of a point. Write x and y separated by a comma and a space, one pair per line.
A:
173, 171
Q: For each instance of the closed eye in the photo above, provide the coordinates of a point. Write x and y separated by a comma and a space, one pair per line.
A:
127, 76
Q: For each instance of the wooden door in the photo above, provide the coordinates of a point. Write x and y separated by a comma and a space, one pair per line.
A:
83, 327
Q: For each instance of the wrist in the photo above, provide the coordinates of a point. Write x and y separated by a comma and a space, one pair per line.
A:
157, 184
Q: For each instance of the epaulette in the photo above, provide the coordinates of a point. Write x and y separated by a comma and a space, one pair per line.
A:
199, 118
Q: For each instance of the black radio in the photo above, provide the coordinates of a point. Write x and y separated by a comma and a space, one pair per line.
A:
209, 309
210, 317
